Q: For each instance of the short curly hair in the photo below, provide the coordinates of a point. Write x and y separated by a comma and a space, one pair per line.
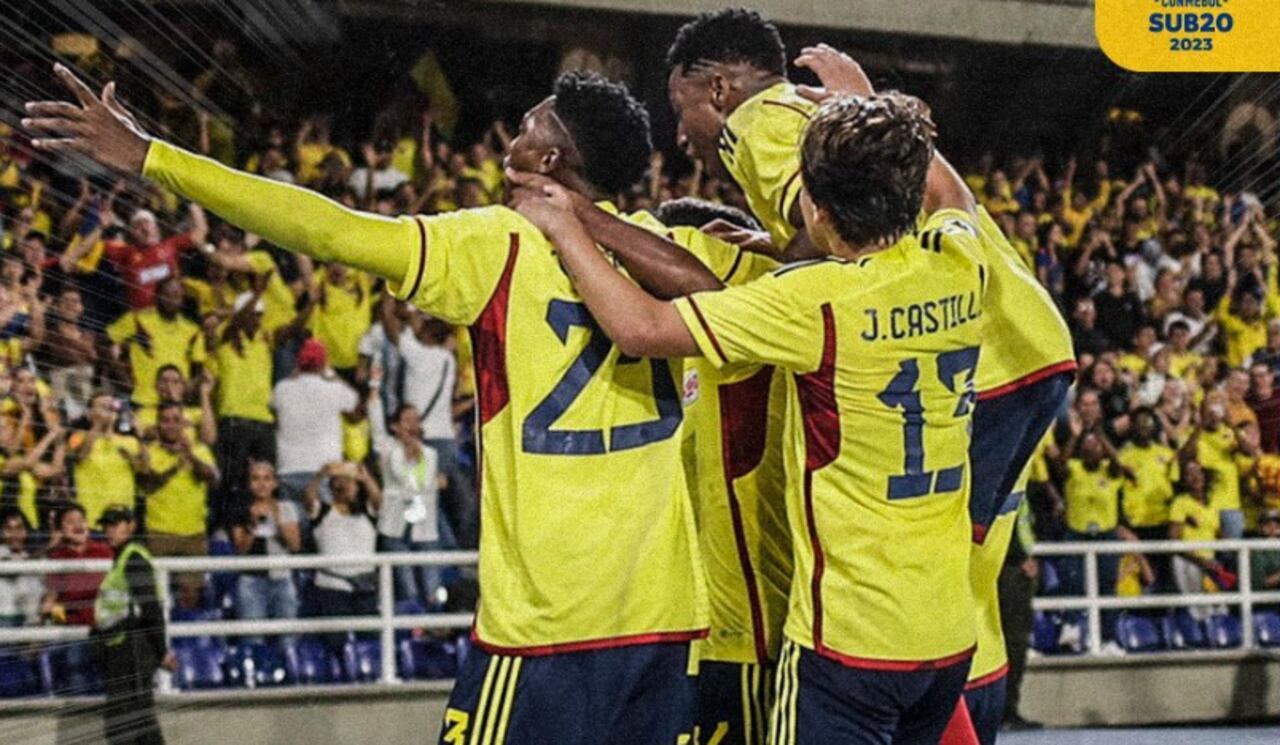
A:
694, 213
729, 35
608, 126
865, 161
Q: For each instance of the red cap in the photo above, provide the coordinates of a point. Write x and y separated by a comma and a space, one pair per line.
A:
312, 357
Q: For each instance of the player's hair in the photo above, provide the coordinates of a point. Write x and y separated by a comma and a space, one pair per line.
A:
61, 517
694, 213
731, 35
864, 160
608, 126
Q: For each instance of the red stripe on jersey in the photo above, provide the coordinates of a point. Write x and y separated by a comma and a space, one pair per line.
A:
1026, 380
789, 107
667, 637
422, 260
715, 343
489, 344
822, 444
986, 680
901, 666
744, 420
817, 392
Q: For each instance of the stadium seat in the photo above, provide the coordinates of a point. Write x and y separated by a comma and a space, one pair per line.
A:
1223, 631
67, 669
1049, 579
1266, 626
427, 659
18, 676
255, 666
200, 667
1044, 633
1137, 634
1181, 631
197, 615
310, 662
362, 660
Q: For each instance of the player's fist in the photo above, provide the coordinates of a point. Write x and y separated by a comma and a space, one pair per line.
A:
96, 126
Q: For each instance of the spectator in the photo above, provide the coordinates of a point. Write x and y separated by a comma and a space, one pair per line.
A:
1184, 361
151, 338
1218, 450
19, 594
1119, 309
429, 375
1135, 576
1193, 518
179, 476
69, 352
1264, 564
1264, 400
345, 527
1270, 354
1148, 492
1088, 339
377, 175
1237, 390
70, 595
408, 516
343, 313
150, 260
107, 462
266, 527
172, 388
309, 409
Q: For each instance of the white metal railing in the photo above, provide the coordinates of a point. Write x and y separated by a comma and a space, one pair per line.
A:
386, 622
1093, 602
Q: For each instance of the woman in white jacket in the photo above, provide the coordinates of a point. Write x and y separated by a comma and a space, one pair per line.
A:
408, 520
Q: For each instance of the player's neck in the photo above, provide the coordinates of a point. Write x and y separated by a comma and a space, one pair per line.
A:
575, 182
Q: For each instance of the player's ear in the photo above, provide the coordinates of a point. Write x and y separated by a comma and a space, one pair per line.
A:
550, 161
719, 90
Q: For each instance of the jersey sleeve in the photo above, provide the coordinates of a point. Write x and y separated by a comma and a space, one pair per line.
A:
463, 256
765, 321
770, 154
122, 328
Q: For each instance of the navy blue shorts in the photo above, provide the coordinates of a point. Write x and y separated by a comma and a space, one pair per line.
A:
733, 703
820, 701
986, 708
635, 694
1006, 431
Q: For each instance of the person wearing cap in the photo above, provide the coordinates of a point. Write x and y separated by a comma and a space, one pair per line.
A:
128, 635
148, 259
309, 408
243, 351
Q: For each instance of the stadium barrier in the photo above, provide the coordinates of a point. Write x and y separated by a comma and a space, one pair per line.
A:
1093, 602
387, 623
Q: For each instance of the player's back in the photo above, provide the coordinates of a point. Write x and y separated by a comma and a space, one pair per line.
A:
587, 537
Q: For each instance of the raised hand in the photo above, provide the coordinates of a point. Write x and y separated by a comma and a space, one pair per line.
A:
839, 74
96, 126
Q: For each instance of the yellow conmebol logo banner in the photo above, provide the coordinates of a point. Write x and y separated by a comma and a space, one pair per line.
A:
1190, 35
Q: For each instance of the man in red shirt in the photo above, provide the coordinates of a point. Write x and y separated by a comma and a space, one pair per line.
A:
70, 595
147, 260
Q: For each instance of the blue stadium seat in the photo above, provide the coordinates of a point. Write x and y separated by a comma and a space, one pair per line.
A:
1137, 634
427, 659
1181, 631
1266, 626
1049, 579
310, 663
1223, 631
67, 669
255, 666
1044, 633
362, 660
200, 667
17, 676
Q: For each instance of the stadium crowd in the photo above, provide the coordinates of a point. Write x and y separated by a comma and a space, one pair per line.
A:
242, 400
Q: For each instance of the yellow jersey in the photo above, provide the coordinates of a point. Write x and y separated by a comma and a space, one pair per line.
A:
1147, 497
877, 437
155, 341
1241, 337
1093, 498
1200, 521
733, 461
760, 147
1218, 451
341, 316
986, 560
278, 301
104, 476
180, 505
587, 536
1026, 339
244, 377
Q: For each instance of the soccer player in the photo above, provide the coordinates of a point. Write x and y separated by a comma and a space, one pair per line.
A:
1026, 369
589, 570
880, 628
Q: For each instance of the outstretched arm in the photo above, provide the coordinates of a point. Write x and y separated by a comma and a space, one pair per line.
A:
662, 267
302, 221
637, 322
